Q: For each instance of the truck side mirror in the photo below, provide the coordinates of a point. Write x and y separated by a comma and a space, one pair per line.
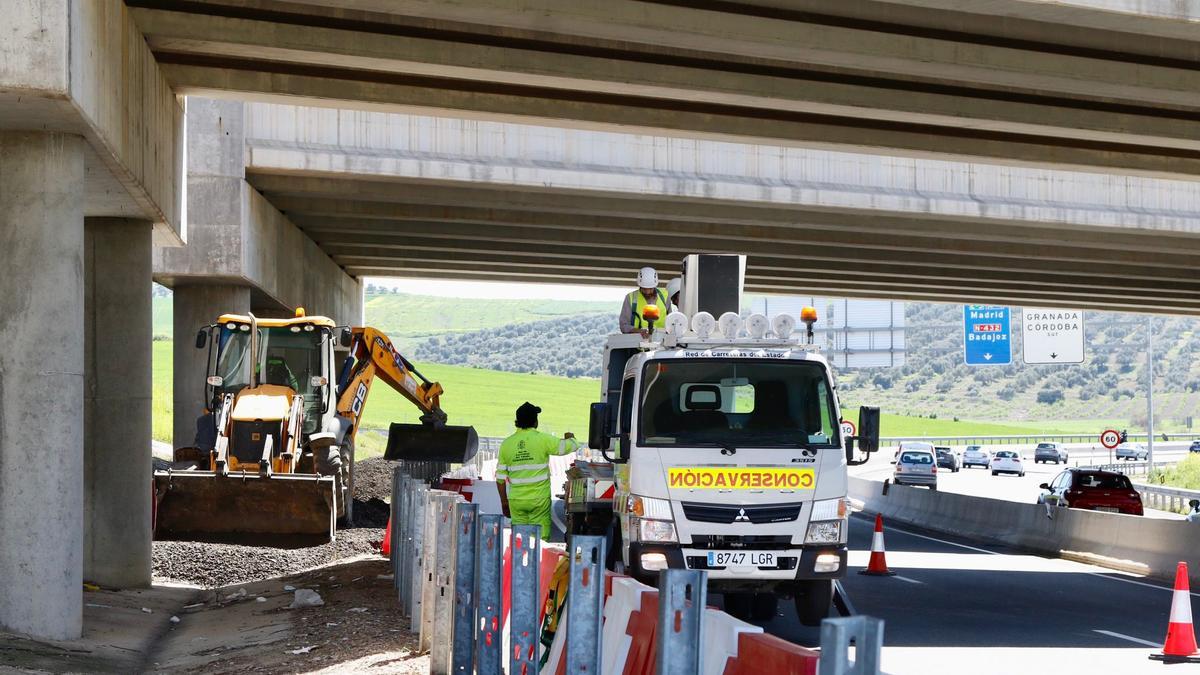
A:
598, 432
201, 338
868, 429
346, 338
867, 438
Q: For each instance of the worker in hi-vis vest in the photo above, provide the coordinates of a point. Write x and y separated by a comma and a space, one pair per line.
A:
523, 470
648, 294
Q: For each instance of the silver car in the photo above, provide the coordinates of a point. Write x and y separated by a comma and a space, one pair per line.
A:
916, 465
975, 455
1134, 451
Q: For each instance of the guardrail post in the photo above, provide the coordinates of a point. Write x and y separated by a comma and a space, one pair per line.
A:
681, 601
429, 570
585, 604
443, 600
420, 504
836, 634
404, 575
524, 631
395, 523
489, 580
462, 657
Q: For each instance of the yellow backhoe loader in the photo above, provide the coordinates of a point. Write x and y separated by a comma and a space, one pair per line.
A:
273, 458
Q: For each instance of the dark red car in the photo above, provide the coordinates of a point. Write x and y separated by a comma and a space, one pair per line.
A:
1091, 489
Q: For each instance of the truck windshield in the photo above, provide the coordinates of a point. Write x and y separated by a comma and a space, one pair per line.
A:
737, 403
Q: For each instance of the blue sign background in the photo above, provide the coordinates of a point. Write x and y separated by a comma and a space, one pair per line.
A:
987, 335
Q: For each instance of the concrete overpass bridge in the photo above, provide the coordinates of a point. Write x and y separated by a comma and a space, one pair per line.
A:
987, 114
1099, 85
404, 195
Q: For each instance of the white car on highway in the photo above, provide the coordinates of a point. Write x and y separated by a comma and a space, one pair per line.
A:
916, 464
975, 455
1134, 451
1007, 461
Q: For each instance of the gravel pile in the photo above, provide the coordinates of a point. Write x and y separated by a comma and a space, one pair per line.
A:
212, 565
373, 479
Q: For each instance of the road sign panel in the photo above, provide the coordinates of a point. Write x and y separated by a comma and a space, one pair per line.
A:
848, 429
1052, 335
987, 335
1110, 439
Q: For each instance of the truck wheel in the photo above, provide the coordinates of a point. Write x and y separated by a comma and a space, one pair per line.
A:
739, 605
764, 606
813, 599
347, 447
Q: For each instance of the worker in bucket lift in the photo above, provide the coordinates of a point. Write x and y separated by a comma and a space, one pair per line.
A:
523, 470
673, 293
636, 313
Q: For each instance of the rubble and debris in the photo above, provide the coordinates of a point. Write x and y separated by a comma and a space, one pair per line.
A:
306, 597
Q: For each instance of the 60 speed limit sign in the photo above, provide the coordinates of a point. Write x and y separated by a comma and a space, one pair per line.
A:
1110, 439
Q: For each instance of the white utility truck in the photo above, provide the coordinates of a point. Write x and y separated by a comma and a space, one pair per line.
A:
729, 457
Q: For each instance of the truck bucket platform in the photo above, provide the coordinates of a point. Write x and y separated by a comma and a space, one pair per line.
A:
244, 508
430, 443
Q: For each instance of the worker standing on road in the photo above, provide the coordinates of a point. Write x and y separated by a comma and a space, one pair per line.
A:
647, 294
523, 470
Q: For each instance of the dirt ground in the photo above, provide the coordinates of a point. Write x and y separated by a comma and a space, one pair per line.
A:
359, 628
226, 609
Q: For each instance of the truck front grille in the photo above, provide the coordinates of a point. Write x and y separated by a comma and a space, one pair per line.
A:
758, 514
246, 444
725, 542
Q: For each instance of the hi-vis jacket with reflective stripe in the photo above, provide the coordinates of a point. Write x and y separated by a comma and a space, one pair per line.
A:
525, 463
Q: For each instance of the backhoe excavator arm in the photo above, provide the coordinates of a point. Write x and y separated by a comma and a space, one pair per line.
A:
375, 356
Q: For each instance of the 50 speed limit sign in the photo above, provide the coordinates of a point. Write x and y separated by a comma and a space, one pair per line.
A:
1110, 439
848, 429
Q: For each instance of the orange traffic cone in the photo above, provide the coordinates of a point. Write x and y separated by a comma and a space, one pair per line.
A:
1180, 645
386, 549
877, 565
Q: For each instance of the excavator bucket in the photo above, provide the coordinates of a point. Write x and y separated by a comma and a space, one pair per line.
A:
244, 508
429, 443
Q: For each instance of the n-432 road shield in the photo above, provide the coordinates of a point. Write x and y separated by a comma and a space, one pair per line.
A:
739, 478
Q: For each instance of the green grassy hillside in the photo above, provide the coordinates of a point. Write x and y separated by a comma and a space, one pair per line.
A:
486, 400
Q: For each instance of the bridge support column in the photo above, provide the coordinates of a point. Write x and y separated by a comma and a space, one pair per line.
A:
41, 383
117, 402
196, 306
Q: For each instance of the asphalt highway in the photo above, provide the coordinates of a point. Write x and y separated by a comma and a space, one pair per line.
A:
956, 606
981, 483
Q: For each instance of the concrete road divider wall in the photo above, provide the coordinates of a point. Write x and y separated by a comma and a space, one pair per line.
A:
1133, 543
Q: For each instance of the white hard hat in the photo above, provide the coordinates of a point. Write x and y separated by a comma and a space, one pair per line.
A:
672, 288
647, 278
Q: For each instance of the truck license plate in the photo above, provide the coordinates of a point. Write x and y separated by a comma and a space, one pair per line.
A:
741, 559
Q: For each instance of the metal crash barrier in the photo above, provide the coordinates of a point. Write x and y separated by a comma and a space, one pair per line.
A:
489, 598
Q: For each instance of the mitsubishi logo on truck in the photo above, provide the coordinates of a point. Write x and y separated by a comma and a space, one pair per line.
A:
741, 516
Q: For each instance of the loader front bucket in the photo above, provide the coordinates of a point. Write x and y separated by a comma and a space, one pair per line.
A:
429, 443
285, 509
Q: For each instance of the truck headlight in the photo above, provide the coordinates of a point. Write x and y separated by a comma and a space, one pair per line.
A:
829, 532
830, 509
660, 531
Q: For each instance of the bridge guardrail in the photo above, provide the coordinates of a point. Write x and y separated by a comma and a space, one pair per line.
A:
1166, 498
1033, 439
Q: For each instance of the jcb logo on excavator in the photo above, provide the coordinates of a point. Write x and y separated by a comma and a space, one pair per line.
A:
360, 397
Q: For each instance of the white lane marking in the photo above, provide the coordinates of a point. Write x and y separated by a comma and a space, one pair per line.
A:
911, 581
1128, 637
983, 550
